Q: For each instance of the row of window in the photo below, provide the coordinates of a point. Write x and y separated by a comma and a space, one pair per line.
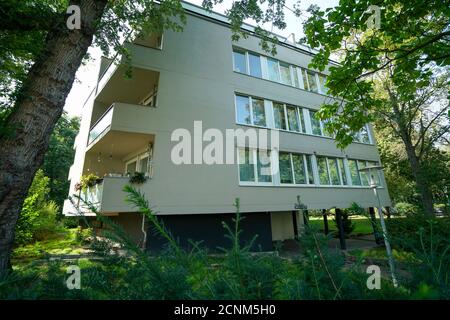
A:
271, 114
272, 69
256, 166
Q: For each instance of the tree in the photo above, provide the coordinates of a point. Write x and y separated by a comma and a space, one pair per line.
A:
38, 75
389, 73
59, 158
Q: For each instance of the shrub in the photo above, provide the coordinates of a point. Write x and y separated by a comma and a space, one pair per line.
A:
406, 209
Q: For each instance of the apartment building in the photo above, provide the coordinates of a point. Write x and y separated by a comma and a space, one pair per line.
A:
200, 74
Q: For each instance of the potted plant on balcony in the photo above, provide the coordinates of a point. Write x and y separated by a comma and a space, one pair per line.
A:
138, 178
88, 181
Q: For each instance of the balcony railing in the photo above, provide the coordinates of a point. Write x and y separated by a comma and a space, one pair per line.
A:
101, 125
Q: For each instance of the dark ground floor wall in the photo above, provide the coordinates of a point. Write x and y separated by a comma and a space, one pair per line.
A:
208, 228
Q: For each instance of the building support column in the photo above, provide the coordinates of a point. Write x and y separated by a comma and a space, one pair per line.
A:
306, 217
341, 229
295, 223
325, 221
378, 236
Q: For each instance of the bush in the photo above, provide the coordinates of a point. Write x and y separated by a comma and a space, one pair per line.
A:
406, 209
37, 220
347, 222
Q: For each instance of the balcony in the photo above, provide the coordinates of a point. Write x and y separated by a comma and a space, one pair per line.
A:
106, 197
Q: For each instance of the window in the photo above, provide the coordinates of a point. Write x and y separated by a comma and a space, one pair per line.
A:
285, 168
246, 165
312, 81
334, 171
374, 173
255, 65
364, 135
292, 118
259, 114
285, 74
302, 120
296, 81
143, 164
363, 174
299, 169
278, 116
324, 178
250, 111
240, 61
331, 171
274, 73
322, 81
295, 168
264, 169
243, 110
342, 171
131, 167
248, 171
315, 123
354, 173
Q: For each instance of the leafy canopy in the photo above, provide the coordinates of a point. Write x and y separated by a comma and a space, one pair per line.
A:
411, 43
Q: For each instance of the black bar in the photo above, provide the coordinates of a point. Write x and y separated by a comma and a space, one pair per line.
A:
325, 222
341, 229
294, 221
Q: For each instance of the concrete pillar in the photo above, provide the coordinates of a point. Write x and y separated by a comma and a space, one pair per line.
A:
325, 221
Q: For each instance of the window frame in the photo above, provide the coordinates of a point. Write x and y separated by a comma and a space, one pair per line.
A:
305, 168
254, 157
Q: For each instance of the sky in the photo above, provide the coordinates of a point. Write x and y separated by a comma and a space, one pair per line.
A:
86, 76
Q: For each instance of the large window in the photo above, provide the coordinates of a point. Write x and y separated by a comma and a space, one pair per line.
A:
322, 81
139, 163
279, 116
331, 171
285, 71
274, 72
254, 166
315, 123
250, 110
292, 116
354, 172
254, 62
278, 71
240, 61
295, 168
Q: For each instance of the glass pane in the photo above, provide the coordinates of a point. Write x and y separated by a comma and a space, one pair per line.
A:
374, 173
322, 80
356, 180
325, 132
292, 118
299, 169
143, 165
278, 116
285, 168
296, 82
323, 171
305, 80
255, 65
364, 174
274, 74
315, 123
312, 81
243, 110
259, 115
343, 175
334, 173
364, 135
264, 172
285, 74
131, 167
310, 169
302, 120
240, 65
246, 165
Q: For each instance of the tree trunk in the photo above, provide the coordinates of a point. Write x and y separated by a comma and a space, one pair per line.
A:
36, 113
421, 183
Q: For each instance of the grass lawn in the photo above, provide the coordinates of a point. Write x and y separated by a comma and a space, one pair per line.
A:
362, 224
65, 242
